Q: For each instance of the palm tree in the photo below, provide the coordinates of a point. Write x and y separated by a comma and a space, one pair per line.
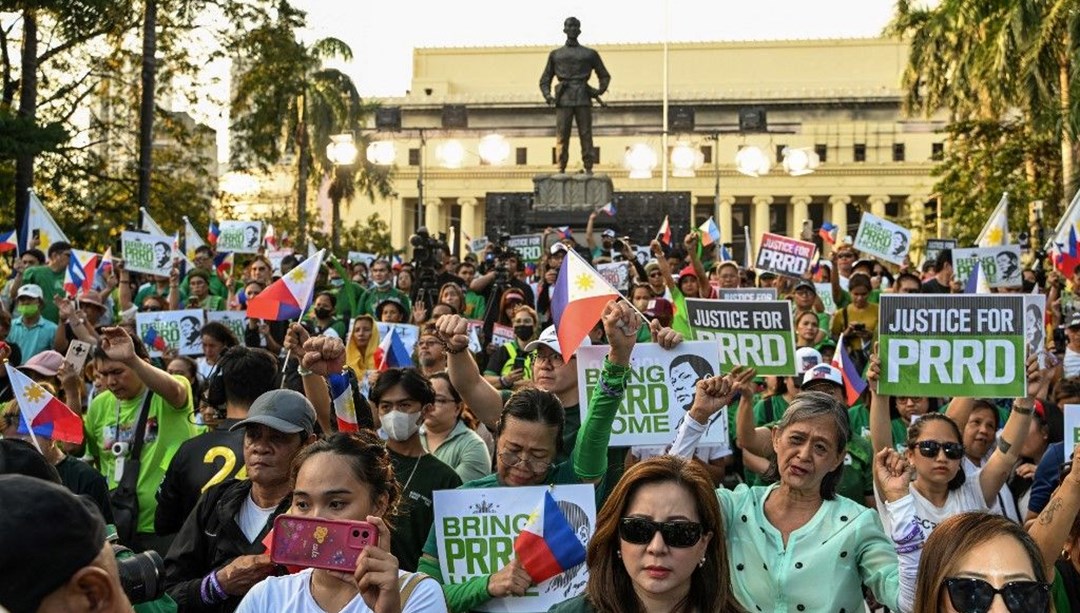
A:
287, 100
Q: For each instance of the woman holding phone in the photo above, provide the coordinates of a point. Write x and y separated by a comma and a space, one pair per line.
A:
348, 477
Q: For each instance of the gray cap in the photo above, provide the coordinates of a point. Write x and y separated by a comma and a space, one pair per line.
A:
282, 410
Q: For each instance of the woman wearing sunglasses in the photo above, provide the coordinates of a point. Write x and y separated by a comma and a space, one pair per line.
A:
935, 450
977, 563
654, 548
795, 545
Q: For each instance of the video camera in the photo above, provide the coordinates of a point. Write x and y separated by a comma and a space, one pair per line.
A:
427, 263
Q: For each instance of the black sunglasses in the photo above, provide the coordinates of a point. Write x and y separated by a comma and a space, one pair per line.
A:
930, 449
150, 309
680, 534
975, 595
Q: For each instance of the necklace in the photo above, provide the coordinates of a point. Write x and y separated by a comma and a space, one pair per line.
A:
405, 488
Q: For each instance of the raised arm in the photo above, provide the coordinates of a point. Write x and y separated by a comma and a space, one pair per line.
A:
590, 238
749, 437
665, 269
880, 428
690, 242
993, 476
1051, 529
483, 399
116, 344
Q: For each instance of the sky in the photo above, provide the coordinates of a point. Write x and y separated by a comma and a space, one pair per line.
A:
383, 33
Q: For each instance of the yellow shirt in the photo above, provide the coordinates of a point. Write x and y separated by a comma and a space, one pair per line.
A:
850, 315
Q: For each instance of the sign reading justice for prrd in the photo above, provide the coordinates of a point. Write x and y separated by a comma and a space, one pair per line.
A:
953, 345
784, 256
755, 334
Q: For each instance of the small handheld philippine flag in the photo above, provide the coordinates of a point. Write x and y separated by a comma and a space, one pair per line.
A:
394, 352
664, 233
153, 339
564, 232
213, 233
548, 545
42, 412
827, 232
289, 296
854, 384
578, 300
608, 208
9, 240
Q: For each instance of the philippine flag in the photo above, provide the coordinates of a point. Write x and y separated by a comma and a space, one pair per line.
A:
710, 233
106, 263
608, 208
564, 232
548, 545
9, 240
394, 353
46, 415
854, 384
344, 405
664, 233
155, 340
270, 238
223, 263
79, 277
827, 232
213, 233
577, 301
290, 295
976, 281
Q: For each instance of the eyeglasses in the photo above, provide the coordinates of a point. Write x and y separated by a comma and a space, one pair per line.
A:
150, 308
510, 459
930, 449
555, 359
908, 399
679, 534
845, 255
969, 595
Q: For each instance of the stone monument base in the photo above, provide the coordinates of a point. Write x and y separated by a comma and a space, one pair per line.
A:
581, 192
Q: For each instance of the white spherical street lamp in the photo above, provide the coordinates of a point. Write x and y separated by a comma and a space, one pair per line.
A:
342, 150
451, 154
494, 149
381, 152
752, 161
641, 160
798, 162
685, 159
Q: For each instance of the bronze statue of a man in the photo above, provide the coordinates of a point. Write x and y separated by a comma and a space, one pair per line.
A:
573, 64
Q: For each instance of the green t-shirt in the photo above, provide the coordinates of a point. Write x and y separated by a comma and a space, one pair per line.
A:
859, 417
166, 428
475, 305
857, 480
51, 284
150, 289
680, 323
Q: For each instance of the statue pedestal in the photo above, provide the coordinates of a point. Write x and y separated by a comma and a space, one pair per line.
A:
571, 192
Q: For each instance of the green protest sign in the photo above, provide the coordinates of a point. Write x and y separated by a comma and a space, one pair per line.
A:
234, 320
475, 531
948, 345
659, 392
147, 253
882, 239
239, 236
756, 334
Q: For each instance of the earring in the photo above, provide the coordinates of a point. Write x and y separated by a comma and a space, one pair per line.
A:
618, 554
701, 564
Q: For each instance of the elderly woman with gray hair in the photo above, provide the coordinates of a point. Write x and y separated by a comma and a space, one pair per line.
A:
795, 545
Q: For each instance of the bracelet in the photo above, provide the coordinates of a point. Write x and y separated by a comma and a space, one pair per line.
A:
447, 349
216, 587
1022, 410
304, 372
502, 382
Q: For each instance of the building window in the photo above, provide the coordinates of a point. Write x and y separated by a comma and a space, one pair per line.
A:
937, 151
521, 156
780, 153
892, 209
859, 152
414, 157
554, 157
706, 153
821, 150
898, 152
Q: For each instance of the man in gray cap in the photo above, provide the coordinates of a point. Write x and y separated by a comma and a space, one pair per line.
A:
53, 554
218, 554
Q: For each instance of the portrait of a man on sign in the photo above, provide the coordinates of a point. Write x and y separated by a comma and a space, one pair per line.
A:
684, 373
251, 236
189, 331
162, 253
899, 244
1008, 264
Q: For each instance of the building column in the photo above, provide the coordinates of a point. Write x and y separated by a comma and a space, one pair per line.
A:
761, 219
916, 222
877, 204
433, 215
468, 221
800, 212
724, 220
838, 206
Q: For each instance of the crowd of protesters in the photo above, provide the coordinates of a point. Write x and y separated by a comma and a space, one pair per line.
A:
908, 503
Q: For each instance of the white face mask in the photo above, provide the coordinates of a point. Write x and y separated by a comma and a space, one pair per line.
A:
400, 426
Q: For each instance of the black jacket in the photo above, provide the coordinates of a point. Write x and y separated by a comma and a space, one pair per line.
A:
209, 540
200, 462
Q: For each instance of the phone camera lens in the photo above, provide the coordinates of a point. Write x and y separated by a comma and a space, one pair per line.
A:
365, 534
355, 533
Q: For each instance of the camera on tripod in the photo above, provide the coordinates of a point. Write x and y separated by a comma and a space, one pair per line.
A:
427, 263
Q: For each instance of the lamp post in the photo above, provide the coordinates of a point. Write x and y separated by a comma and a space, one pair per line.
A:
341, 152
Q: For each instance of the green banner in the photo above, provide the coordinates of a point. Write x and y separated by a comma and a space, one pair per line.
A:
952, 345
756, 334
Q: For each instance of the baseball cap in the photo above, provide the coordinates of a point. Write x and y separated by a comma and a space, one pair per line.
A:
550, 338
91, 297
805, 359
804, 284
687, 271
46, 363
1074, 322
47, 533
660, 308
766, 274
651, 266
823, 372
30, 291
724, 263
283, 410
608, 233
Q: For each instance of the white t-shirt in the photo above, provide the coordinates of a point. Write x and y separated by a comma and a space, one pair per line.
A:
1072, 363
968, 497
1004, 504
293, 593
252, 518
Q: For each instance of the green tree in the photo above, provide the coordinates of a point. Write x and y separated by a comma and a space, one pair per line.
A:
282, 81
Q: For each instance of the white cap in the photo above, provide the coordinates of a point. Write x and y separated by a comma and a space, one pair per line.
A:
550, 337
823, 372
30, 291
805, 359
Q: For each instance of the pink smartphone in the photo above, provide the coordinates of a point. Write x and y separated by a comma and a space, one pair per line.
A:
313, 542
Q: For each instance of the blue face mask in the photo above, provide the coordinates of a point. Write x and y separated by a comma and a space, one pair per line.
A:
337, 282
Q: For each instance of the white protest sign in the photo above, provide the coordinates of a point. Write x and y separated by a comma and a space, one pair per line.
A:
234, 320
1001, 265
408, 333
500, 335
177, 330
276, 255
1072, 429
147, 253
616, 273
659, 392
240, 236
824, 291
475, 531
476, 331
477, 245
361, 256
934, 246
883, 239
748, 294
